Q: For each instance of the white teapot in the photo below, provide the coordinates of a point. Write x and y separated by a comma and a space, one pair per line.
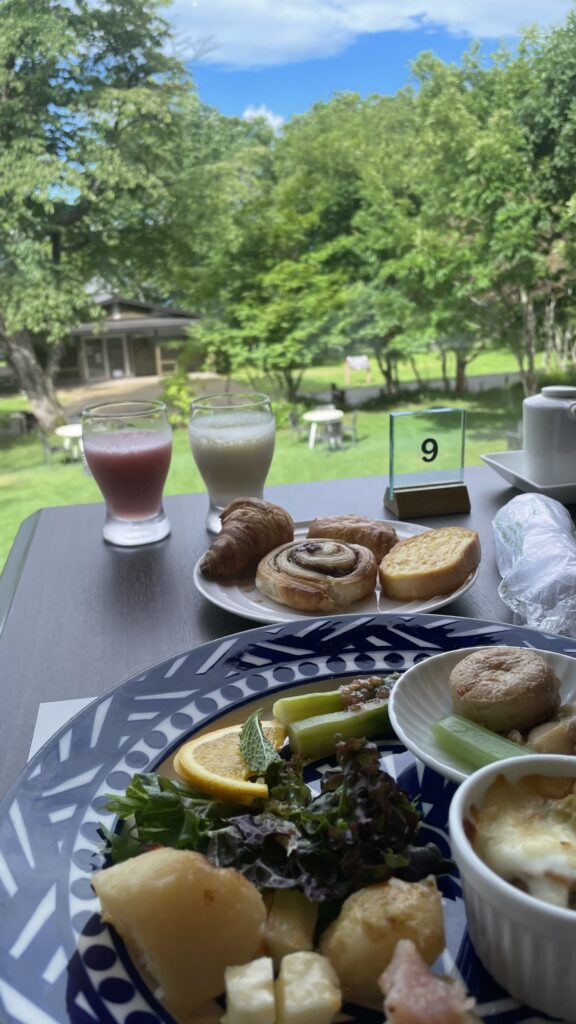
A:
549, 425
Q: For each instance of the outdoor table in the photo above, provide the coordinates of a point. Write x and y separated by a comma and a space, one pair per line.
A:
78, 616
319, 417
71, 434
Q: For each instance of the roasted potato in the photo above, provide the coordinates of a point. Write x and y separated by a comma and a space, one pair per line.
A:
290, 925
362, 939
183, 920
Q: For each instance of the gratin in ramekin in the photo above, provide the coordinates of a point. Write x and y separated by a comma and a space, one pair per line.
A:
527, 945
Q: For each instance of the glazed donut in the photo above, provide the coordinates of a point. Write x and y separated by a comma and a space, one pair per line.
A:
317, 575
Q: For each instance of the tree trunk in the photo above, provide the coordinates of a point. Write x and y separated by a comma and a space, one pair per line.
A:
34, 380
291, 383
444, 369
460, 375
389, 375
414, 368
529, 324
550, 354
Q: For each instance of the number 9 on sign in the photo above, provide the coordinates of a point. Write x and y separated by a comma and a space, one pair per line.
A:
426, 447
430, 449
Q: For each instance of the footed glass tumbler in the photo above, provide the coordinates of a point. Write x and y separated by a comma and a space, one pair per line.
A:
232, 440
128, 447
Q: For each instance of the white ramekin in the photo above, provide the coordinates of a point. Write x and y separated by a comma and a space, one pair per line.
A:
527, 945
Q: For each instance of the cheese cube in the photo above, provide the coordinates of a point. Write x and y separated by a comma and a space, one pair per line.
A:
250, 993
307, 990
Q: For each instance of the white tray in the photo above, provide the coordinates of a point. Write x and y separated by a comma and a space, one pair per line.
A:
510, 466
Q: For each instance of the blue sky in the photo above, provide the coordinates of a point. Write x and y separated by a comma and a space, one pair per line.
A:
378, 63
278, 57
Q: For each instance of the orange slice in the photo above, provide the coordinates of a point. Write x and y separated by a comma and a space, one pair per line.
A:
213, 764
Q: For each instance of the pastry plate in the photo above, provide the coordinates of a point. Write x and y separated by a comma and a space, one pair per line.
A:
510, 466
422, 697
59, 963
243, 598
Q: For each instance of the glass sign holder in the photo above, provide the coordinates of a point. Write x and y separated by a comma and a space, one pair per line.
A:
427, 463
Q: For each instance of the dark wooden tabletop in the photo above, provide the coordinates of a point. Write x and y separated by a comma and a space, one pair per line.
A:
78, 616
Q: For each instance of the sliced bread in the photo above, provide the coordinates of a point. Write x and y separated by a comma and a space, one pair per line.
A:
435, 562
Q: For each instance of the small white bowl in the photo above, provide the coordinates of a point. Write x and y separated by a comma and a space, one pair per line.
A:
422, 696
527, 945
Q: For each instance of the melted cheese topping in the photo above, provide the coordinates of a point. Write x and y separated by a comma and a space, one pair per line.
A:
522, 834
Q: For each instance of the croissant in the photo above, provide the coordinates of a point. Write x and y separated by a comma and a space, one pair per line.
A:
317, 575
374, 534
250, 528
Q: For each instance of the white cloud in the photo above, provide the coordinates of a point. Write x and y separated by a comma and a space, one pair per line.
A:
253, 33
274, 120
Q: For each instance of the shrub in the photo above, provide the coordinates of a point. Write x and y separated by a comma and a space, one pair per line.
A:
177, 393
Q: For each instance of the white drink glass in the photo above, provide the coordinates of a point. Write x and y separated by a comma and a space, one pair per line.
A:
232, 441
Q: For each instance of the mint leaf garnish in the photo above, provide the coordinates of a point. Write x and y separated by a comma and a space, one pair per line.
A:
255, 748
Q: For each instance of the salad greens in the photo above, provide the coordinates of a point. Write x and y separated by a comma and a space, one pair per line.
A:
357, 830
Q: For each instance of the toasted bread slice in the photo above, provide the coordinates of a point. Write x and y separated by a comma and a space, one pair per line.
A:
435, 562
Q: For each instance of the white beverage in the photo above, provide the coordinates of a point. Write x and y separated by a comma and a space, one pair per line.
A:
233, 450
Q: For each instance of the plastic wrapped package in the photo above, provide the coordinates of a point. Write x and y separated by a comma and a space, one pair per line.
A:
535, 542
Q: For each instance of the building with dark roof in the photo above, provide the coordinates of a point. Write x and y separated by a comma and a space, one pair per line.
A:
132, 339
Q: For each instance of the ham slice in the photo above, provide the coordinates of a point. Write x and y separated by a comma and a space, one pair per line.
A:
413, 995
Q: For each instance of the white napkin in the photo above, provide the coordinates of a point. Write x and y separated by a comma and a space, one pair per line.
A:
51, 716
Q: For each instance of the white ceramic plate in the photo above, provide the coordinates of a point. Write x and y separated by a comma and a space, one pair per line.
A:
246, 600
421, 697
510, 466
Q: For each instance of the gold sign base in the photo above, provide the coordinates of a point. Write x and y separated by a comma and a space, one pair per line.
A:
428, 500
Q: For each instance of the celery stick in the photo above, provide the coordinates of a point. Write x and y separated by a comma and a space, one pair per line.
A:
306, 705
472, 743
316, 737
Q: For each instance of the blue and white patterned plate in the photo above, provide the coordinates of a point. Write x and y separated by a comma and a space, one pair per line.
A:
59, 964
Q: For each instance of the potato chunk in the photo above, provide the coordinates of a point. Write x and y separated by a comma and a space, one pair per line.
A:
361, 941
291, 923
183, 920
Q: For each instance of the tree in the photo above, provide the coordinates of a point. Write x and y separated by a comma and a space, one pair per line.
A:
269, 277
89, 107
496, 249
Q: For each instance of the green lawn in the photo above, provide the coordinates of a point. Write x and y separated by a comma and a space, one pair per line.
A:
319, 378
27, 484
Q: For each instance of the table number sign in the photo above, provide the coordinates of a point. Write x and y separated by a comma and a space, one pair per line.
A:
427, 463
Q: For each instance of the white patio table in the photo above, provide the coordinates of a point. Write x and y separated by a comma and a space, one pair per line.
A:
71, 434
318, 417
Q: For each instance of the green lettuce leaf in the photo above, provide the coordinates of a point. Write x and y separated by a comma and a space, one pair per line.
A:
360, 828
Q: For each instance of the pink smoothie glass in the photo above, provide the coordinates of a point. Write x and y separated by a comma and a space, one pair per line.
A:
128, 447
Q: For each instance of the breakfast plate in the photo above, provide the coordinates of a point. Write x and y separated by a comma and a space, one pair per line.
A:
243, 598
59, 963
422, 697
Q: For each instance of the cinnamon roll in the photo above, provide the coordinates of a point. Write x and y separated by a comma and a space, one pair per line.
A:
317, 575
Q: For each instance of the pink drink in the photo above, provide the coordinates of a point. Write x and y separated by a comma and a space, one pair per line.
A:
130, 468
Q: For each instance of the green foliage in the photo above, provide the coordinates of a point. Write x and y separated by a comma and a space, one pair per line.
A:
442, 216
177, 393
89, 113
281, 410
